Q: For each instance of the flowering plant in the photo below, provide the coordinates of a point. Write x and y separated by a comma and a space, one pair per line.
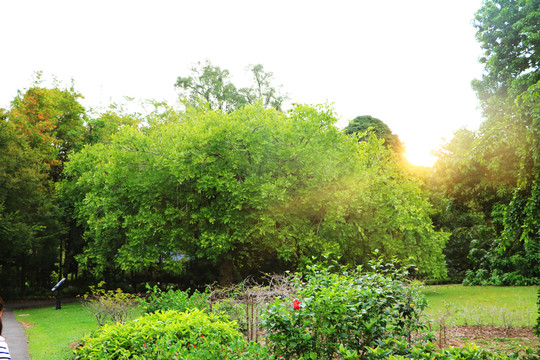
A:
344, 312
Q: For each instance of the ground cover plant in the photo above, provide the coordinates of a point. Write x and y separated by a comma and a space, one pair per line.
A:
52, 333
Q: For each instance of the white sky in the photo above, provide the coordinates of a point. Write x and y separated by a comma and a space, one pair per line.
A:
408, 63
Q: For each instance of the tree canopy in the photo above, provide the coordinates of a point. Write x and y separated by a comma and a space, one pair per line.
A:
245, 188
210, 87
366, 123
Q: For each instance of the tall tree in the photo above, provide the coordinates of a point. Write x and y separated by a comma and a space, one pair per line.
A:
210, 87
38, 132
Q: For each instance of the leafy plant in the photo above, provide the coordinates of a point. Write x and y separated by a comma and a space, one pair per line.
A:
171, 299
342, 312
171, 335
109, 306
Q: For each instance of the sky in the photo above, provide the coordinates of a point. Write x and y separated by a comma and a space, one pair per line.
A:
408, 63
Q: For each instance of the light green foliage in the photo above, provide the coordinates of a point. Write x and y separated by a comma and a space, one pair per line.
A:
252, 185
109, 306
344, 312
158, 300
170, 335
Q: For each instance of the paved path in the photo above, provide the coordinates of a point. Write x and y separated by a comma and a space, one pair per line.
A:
13, 331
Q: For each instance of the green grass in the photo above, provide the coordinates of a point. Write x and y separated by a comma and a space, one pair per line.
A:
482, 305
50, 332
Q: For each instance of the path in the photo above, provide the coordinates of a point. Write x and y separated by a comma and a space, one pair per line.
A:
13, 331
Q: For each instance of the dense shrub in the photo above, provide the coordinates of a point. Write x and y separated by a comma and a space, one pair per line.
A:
344, 312
170, 335
173, 300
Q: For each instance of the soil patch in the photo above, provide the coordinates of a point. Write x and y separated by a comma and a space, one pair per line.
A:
492, 338
26, 324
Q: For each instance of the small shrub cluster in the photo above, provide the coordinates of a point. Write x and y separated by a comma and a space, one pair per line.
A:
170, 335
171, 299
109, 306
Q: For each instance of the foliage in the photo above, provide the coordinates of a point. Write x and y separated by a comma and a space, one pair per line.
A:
158, 300
109, 306
366, 123
37, 133
508, 33
210, 87
344, 312
244, 189
170, 335
396, 349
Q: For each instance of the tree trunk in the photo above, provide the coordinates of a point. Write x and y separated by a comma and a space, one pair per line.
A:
226, 267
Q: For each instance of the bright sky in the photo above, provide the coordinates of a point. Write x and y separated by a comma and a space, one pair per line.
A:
408, 63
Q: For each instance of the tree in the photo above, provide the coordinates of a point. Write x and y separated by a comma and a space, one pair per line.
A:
508, 33
494, 172
242, 189
210, 86
366, 123
37, 134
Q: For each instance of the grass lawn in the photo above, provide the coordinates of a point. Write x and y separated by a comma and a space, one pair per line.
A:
50, 332
482, 305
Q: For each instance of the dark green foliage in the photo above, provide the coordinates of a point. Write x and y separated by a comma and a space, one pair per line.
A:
344, 312
366, 123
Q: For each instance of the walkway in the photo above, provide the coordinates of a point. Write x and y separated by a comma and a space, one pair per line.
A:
13, 331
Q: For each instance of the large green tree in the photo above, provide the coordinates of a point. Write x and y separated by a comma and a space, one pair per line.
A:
244, 188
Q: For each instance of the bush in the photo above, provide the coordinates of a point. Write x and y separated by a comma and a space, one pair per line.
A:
109, 306
343, 313
173, 300
170, 335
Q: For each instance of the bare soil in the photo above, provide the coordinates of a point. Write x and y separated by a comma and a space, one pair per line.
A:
492, 338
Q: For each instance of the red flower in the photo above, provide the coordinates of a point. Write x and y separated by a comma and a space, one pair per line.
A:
296, 304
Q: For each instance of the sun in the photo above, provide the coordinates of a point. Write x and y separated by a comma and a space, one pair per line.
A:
420, 157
